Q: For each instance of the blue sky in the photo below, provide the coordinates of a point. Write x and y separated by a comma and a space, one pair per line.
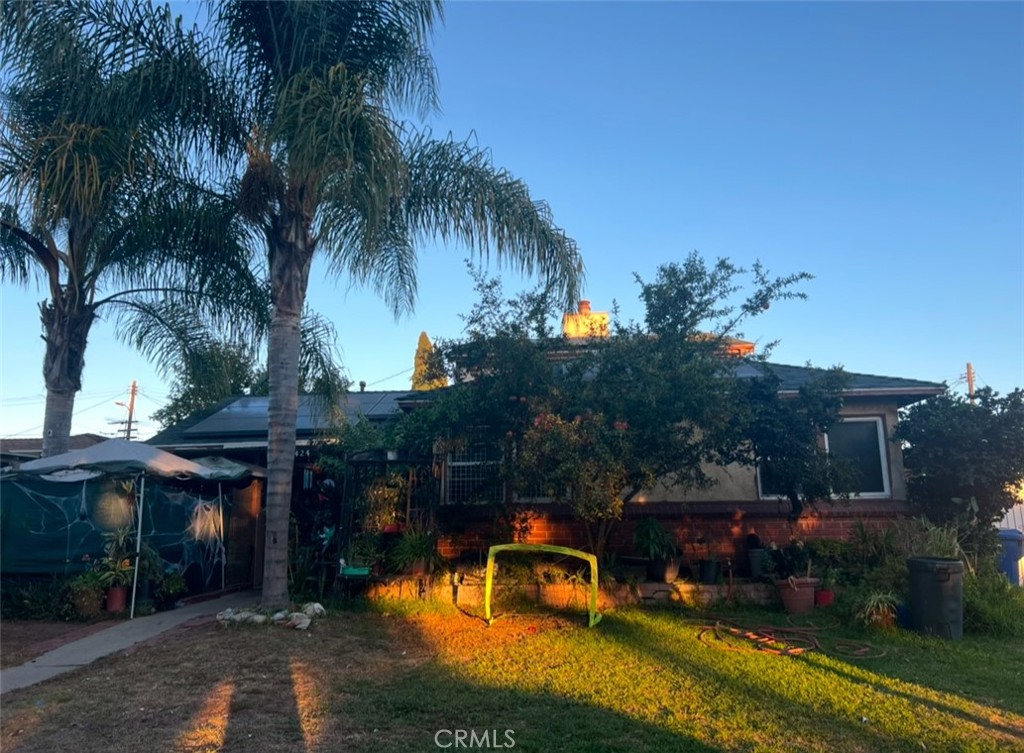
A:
878, 146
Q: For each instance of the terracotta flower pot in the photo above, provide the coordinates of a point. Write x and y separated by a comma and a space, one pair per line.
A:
797, 594
117, 598
824, 598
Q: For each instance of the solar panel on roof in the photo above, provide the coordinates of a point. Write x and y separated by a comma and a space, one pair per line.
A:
248, 415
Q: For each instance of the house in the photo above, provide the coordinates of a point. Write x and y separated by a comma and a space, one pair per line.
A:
740, 502
461, 483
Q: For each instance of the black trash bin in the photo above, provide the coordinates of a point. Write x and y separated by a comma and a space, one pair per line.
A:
937, 596
1012, 561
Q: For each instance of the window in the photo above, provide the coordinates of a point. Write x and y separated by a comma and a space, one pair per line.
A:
860, 440
472, 475
768, 484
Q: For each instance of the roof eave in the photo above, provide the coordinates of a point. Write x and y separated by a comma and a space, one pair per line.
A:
904, 395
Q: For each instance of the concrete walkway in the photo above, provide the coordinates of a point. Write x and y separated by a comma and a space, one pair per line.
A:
116, 638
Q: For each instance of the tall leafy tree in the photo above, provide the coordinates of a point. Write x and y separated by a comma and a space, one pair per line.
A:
597, 422
965, 459
422, 376
92, 127
334, 169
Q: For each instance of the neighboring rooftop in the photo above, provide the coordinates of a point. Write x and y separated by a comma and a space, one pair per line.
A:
32, 447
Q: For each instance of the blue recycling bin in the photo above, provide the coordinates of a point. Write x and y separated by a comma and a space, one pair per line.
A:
1012, 562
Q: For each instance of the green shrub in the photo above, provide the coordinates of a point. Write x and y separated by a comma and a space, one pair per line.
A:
992, 606
25, 599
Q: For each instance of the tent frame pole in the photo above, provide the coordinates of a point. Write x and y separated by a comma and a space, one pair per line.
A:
223, 549
138, 543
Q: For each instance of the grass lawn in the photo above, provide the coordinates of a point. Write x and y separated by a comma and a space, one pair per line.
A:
639, 681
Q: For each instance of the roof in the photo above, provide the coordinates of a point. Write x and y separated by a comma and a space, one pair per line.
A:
792, 378
33, 447
242, 421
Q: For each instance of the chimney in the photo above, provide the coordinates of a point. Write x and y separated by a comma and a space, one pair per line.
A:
586, 324
362, 385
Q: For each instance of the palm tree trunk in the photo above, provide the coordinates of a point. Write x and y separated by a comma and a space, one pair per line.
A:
289, 277
57, 422
66, 332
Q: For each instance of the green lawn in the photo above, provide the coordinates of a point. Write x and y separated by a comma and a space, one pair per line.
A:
639, 681
643, 681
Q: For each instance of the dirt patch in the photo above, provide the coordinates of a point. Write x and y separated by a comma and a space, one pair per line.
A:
22, 641
204, 687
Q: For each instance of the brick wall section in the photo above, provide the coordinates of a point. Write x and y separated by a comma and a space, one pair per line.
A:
467, 530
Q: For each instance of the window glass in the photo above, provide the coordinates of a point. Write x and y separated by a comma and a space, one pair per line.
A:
771, 486
858, 442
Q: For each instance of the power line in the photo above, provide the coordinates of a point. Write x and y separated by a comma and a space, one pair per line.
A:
76, 413
41, 398
403, 371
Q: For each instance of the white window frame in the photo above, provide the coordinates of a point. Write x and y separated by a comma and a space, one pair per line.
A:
883, 456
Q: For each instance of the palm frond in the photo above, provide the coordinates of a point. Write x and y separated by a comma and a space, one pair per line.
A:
320, 372
170, 328
382, 256
455, 192
381, 43
18, 248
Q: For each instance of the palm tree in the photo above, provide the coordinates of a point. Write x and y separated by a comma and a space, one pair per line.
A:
87, 202
333, 168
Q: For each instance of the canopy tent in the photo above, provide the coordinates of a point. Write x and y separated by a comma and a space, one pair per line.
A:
124, 456
119, 457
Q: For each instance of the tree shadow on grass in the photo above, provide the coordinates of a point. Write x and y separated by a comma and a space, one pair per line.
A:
857, 676
811, 705
422, 710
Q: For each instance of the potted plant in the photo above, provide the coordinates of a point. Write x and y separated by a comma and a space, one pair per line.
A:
415, 552
151, 572
657, 545
755, 555
365, 552
116, 573
826, 595
790, 566
116, 570
878, 610
709, 569
169, 588
86, 594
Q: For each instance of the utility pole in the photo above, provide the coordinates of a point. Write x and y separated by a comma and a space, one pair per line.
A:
131, 409
970, 382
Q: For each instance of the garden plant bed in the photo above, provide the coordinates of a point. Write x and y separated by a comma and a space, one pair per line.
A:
470, 592
390, 677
